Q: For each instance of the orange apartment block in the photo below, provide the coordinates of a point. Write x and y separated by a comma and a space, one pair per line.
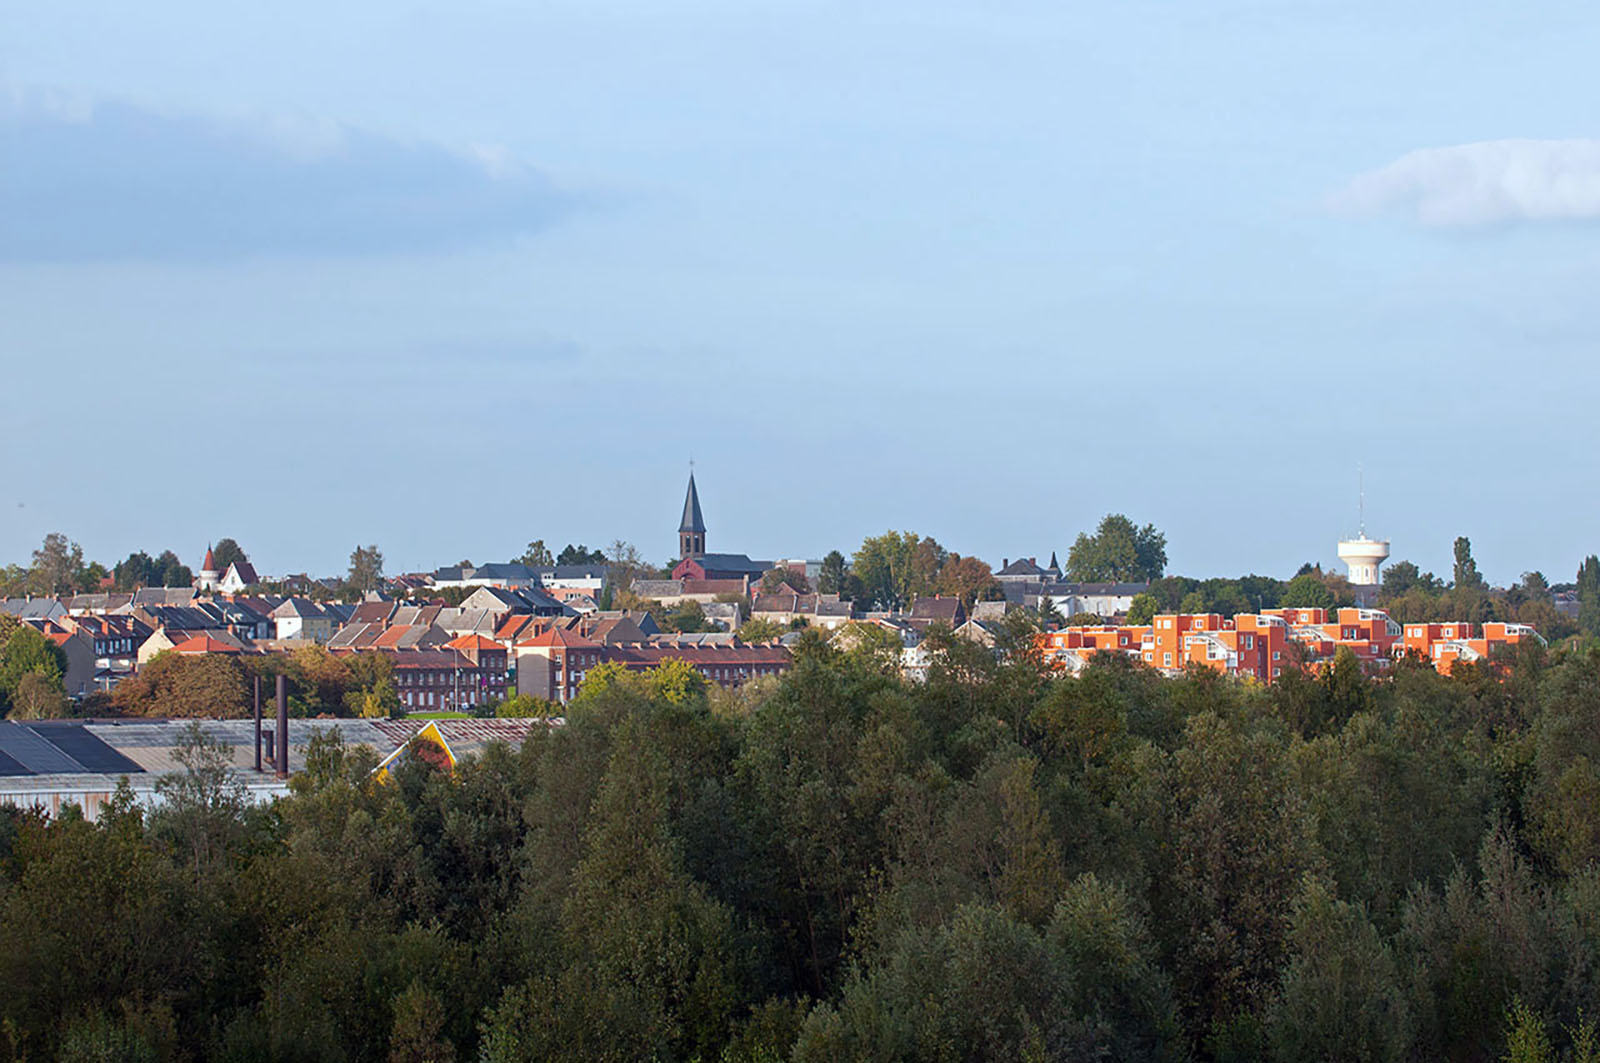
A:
1259, 646
1069, 648
1444, 644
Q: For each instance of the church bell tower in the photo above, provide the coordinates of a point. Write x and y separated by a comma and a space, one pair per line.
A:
692, 529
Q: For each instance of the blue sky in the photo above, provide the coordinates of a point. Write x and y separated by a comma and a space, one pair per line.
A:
451, 277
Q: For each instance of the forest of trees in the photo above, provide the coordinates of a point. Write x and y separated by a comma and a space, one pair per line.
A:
991, 865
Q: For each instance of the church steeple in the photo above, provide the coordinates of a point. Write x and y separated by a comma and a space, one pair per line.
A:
692, 529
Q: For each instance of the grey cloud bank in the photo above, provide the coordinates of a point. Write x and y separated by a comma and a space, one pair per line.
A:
1489, 182
113, 181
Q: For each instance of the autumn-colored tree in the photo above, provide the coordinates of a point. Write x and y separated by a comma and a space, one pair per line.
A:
966, 578
182, 686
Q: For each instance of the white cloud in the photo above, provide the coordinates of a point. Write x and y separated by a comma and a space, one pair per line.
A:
106, 180
1486, 183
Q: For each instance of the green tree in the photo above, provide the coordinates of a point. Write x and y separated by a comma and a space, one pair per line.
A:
1340, 994
580, 555
537, 555
760, 631
138, 570
174, 573
1466, 570
1527, 1040
1589, 596
38, 697
1118, 552
774, 578
31, 671
57, 566
202, 802
1142, 610
228, 552
1307, 591
418, 1028
624, 565
1049, 614
366, 569
686, 617
887, 567
831, 579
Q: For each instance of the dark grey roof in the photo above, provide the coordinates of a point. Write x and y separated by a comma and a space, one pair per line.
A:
692, 520
56, 748
183, 617
301, 607
33, 608
245, 571
163, 596
732, 563
504, 570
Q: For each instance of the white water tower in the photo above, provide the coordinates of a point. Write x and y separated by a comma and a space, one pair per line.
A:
1364, 556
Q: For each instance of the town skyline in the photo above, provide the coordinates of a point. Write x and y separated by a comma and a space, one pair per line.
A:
1288, 547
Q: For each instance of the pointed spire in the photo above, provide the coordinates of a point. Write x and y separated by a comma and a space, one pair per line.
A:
1053, 565
692, 520
209, 564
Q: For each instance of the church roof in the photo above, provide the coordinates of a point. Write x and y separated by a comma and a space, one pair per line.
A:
692, 520
209, 564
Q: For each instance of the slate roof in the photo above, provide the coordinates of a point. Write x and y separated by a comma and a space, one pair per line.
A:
163, 596
732, 563
98, 603
301, 607
947, 609
33, 608
692, 520
244, 572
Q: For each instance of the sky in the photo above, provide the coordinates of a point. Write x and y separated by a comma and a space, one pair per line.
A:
451, 277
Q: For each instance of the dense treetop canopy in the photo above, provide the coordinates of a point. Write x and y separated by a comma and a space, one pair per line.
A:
996, 864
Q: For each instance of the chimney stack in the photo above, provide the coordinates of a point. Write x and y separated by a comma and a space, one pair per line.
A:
283, 728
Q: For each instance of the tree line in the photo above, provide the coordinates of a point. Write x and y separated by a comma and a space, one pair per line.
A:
995, 864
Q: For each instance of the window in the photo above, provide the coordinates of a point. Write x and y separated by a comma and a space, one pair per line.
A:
1276, 656
1166, 659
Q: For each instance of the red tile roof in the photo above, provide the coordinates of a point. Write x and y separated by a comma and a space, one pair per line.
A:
204, 644
473, 642
553, 636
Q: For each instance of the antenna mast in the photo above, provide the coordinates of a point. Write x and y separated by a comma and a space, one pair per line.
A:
1361, 481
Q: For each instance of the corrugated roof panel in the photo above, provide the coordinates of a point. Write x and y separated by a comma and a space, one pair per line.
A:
85, 748
10, 767
33, 752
